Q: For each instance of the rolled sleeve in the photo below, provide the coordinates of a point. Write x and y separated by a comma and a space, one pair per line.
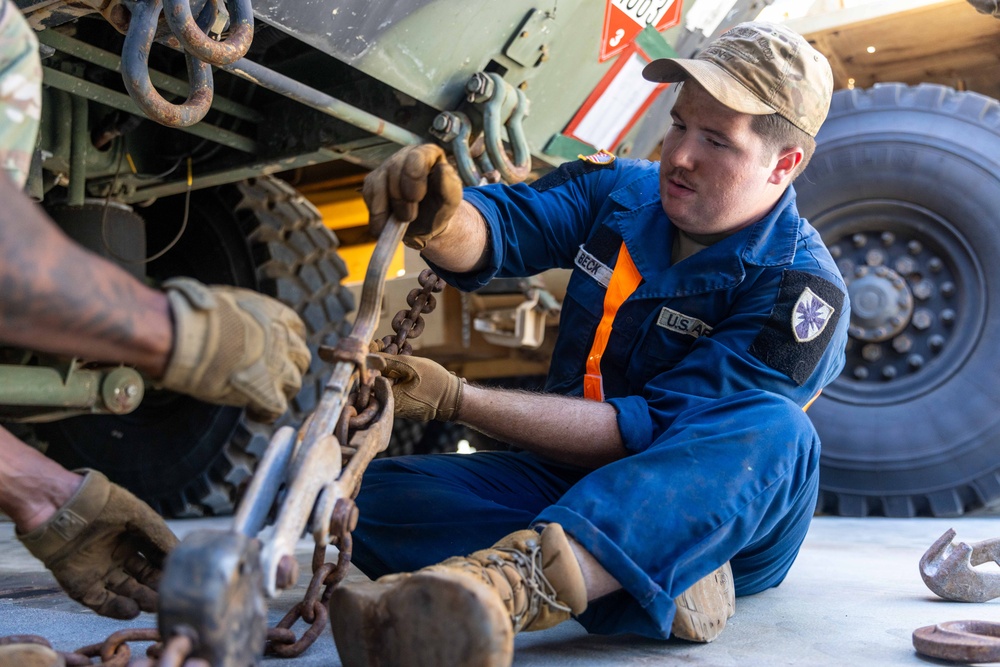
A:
469, 282
634, 422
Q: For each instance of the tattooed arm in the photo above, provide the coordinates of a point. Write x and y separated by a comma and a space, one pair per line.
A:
57, 297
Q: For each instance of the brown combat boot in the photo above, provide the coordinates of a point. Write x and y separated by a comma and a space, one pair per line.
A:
703, 609
462, 612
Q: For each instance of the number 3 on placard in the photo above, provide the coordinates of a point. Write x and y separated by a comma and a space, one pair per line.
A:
616, 40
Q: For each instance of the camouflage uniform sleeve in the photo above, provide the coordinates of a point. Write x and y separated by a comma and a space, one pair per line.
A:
20, 92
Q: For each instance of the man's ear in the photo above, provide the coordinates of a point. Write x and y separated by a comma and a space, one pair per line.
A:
789, 160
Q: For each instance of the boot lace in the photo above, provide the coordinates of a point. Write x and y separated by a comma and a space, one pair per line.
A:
529, 567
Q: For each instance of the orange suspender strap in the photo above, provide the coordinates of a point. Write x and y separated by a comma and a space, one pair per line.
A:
624, 279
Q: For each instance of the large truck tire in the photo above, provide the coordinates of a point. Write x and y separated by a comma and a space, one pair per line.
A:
904, 188
183, 456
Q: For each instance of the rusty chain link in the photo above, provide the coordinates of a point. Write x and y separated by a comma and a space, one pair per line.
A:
359, 413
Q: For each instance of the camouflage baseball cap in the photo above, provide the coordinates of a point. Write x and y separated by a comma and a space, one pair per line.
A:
758, 68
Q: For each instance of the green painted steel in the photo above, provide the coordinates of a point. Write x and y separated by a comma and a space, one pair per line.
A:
122, 102
111, 61
41, 386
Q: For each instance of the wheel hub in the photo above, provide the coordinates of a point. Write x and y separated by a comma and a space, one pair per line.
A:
881, 304
913, 287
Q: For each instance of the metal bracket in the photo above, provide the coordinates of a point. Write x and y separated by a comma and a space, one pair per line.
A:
482, 158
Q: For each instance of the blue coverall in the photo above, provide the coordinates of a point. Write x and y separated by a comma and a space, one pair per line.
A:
708, 365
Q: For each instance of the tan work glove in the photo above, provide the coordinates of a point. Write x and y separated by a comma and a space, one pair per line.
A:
235, 347
424, 389
105, 547
417, 185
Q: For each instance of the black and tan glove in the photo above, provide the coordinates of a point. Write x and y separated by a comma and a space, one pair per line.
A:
234, 346
416, 185
424, 389
105, 547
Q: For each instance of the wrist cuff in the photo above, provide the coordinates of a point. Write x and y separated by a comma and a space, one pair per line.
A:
68, 522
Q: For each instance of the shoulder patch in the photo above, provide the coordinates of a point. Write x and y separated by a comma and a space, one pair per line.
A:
600, 157
570, 170
801, 324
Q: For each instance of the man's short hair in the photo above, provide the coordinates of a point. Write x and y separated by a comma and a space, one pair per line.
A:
779, 133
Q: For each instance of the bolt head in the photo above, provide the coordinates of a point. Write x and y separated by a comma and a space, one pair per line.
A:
859, 240
922, 319
915, 361
860, 373
888, 238
871, 352
915, 247
889, 372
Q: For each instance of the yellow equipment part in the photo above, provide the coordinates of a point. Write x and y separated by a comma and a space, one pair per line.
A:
340, 203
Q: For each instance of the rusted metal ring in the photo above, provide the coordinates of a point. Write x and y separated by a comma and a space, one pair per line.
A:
25, 639
319, 614
960, 641
135, 73
225, 52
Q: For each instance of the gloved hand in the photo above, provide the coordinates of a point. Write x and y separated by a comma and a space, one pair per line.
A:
417, 185
424, 389
235, 347
105, 547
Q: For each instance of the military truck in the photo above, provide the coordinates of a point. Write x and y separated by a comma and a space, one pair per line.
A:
176, 141
163, 125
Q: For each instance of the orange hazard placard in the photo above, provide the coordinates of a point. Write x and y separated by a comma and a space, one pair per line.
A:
624, 19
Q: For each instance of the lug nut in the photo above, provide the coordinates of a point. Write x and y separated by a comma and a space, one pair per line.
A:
915, 361
935, 343
859, 240
871, 352
948, 288
855, 331
876, 258
948, 316
922, 319
888, 238
923, 290
889, 372
905, 265
902, 344
860, 373
935, 264
915, 247
860, 272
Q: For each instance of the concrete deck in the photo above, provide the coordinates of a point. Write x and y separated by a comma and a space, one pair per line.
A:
853, 598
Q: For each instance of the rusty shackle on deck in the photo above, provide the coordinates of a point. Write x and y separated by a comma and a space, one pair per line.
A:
948, 569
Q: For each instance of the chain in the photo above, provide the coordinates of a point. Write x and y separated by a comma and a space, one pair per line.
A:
361, 411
